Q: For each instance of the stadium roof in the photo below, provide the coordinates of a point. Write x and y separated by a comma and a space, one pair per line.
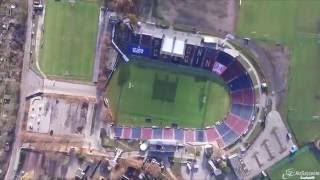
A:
179, 46
210, 39
231, 52
167, 45
173, 46
151, 29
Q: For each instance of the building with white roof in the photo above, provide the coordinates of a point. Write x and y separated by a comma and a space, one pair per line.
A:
167, 45
179, 47
173, 46
231, 52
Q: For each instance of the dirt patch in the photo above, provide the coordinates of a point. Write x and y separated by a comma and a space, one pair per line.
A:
205, 15
274, 63
69, 116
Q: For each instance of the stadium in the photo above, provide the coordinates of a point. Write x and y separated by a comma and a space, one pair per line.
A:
201, 54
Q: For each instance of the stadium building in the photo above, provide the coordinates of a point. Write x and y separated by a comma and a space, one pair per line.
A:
198, 51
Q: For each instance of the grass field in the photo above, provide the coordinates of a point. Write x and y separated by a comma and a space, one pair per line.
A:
294, 23
68, 45
166, 94
305, 160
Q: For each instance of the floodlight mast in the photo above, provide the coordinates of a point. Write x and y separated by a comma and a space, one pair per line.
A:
117, 48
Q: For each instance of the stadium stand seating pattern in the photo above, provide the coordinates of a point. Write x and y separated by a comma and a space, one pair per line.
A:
209, 59
245, 97
198, 58
243, 111
146, 41
225, 58
189, 54
241, 82
234, 70
156, 47
236, 77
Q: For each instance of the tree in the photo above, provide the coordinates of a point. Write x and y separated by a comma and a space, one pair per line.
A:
123, 6
133, 19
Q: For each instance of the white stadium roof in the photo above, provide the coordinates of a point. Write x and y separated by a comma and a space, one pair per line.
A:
231, 52
210, 39
173, 46
167, 44
179, 46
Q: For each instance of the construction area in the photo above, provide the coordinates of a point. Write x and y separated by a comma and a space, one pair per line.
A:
59, 115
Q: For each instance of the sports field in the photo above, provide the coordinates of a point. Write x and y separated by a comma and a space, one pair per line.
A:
166, 94
296, 24
305, 160
68, 44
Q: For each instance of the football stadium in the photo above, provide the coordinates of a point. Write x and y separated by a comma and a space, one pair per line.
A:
180, 86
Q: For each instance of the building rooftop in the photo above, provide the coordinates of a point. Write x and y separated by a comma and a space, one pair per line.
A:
167, 45
231, 52
179, 46
152, 30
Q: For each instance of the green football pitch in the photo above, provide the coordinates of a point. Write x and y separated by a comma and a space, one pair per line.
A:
295, 24
166, 94
304, 160
69, 39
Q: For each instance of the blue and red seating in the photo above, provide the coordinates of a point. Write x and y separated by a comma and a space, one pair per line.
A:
243, 111
225, 59
241, 82
157, 133
209, 58
179, 134
198, 57
233, 71
245, 97
146, 133
189, 135
200, 136
117, 132
189, 54
168, 133
227, 134
146, 41
156, 48
238, 125
136, 133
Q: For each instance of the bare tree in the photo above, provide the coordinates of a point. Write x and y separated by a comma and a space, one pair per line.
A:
123, 6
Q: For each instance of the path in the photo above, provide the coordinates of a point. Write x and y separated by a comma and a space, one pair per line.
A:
38, 39
97, 59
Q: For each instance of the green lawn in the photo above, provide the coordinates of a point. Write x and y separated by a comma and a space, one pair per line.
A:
305, 160
292, 22
68, 45
167, 95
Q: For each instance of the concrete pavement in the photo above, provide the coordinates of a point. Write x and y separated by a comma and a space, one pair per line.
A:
270, 147
70, 89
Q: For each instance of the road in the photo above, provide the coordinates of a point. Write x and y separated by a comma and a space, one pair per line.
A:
25, 68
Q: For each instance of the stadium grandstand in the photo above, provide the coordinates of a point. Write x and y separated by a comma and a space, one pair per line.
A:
198, 51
